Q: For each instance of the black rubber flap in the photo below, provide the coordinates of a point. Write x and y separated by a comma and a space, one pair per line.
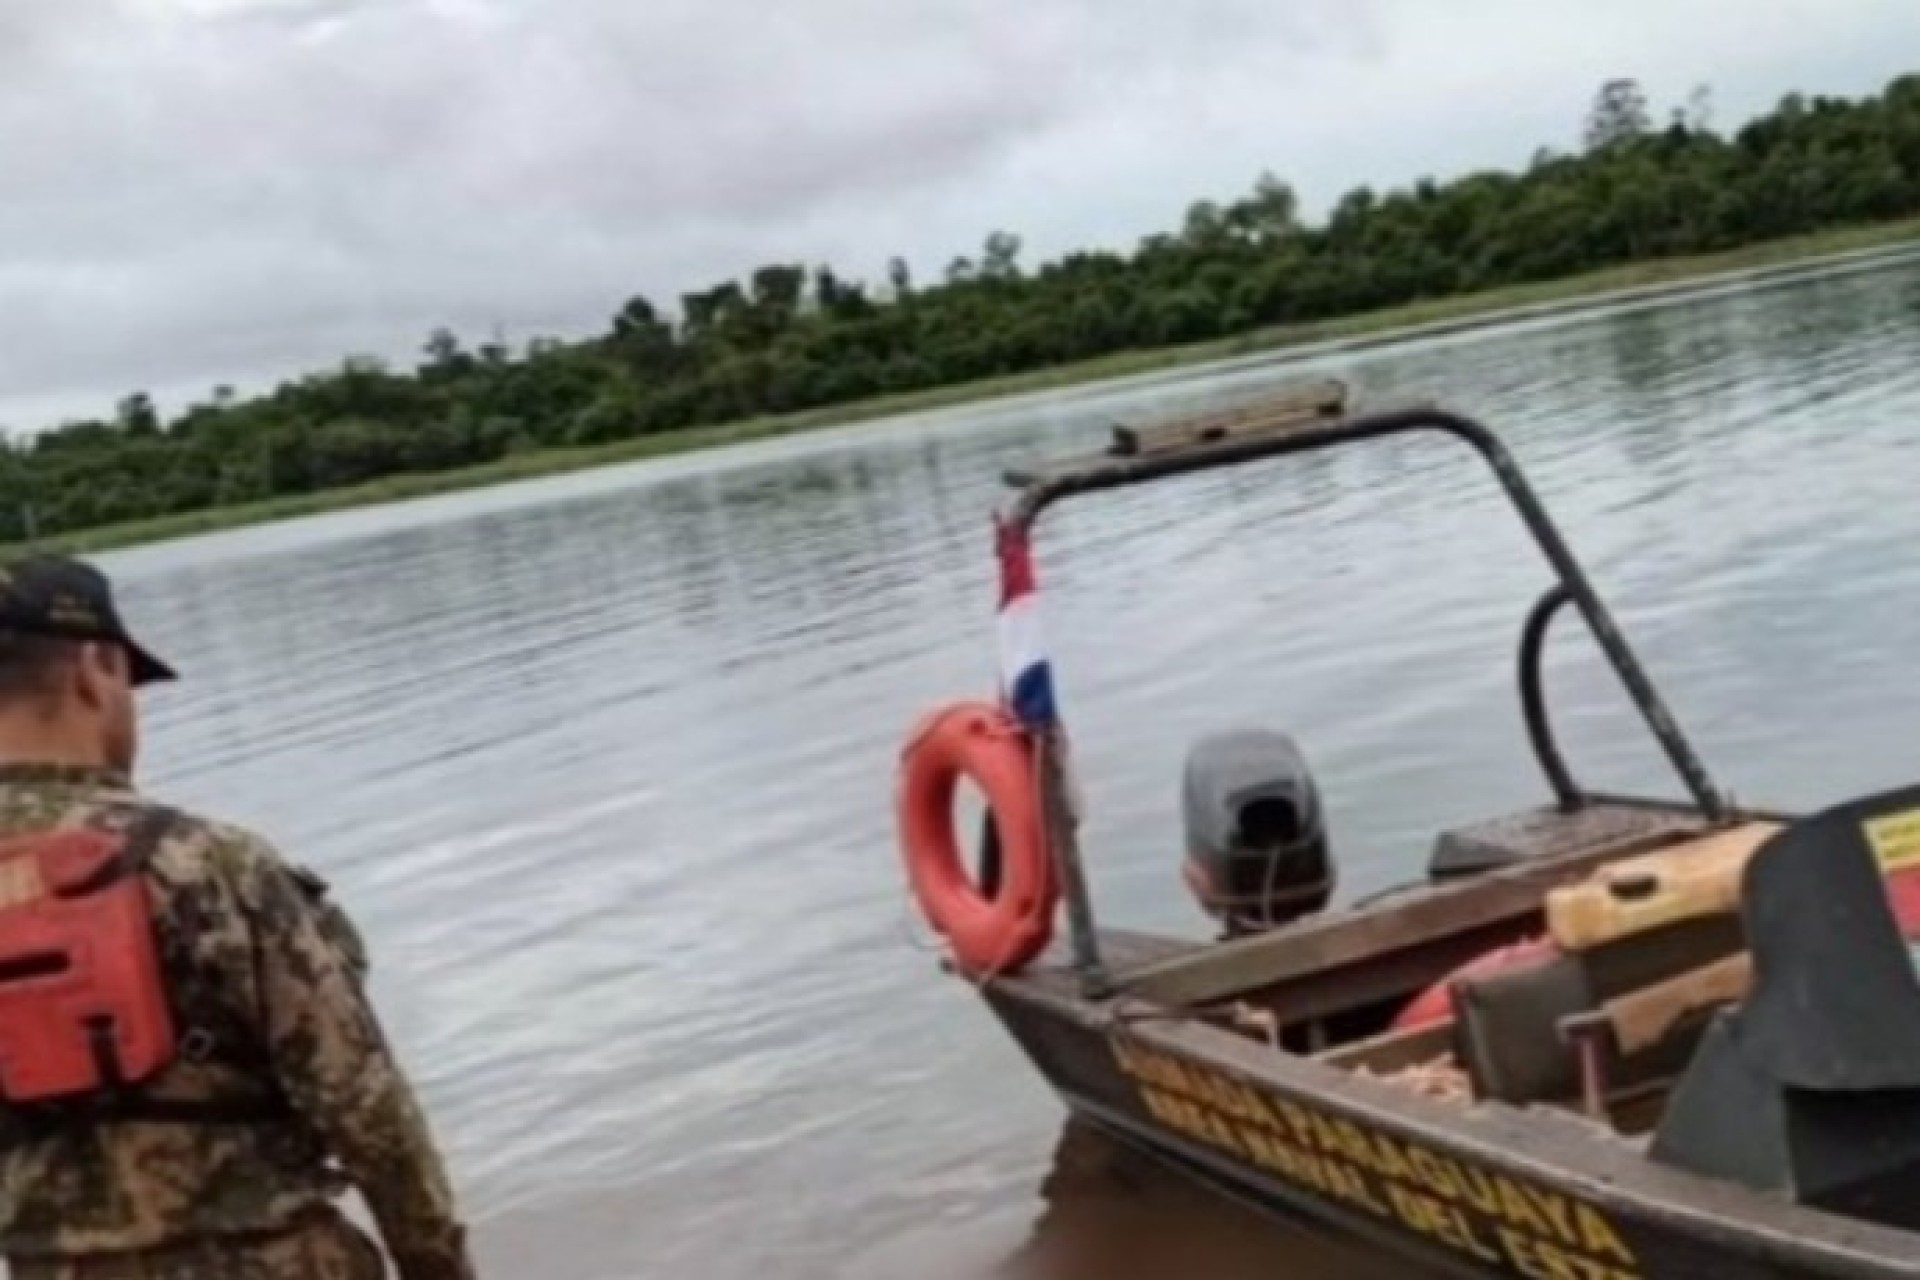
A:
1835, 1004
1811, 1087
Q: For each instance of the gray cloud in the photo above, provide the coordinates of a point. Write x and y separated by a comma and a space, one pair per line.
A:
202, 191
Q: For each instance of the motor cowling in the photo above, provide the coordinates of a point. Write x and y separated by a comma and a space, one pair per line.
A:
1256, 838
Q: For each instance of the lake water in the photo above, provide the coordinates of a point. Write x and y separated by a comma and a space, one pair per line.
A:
603, 764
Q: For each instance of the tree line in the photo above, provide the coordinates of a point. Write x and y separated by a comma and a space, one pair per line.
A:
792, 337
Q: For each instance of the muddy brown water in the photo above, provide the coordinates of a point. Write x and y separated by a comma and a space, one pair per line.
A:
602, 763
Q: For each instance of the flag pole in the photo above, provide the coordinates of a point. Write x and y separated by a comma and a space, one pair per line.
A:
1026, 673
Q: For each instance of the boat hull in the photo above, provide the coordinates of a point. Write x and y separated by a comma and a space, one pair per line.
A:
1468, 1191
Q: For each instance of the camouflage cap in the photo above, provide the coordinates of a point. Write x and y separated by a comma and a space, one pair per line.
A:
54, 595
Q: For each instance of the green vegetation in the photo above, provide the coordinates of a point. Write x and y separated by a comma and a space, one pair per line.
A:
793, 348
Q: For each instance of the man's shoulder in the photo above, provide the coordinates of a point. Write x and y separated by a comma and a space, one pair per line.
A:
188, 850
276, 891
178, 834
190, 841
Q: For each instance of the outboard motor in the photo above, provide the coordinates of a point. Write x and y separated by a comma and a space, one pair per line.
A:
1255, 831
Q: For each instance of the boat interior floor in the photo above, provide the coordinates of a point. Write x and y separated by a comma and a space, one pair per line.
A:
1628, 916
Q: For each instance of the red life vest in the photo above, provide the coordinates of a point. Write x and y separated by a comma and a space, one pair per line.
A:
83, 997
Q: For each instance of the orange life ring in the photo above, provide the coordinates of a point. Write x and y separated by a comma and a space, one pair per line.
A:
979, 741
1435, 1004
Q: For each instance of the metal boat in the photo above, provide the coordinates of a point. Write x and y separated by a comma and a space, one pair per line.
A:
1608, 1036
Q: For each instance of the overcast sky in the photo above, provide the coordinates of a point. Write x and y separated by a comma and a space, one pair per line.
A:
207, 191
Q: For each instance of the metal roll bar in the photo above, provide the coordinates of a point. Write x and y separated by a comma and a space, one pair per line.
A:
1533, 698
1232, 440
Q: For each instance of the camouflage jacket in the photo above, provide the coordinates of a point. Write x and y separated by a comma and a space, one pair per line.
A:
266, 976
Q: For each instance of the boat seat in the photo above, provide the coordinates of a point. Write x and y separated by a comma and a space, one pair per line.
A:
1647, 947
1511, 1025
1507, 1029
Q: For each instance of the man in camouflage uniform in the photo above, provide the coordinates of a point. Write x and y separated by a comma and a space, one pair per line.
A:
284, 1092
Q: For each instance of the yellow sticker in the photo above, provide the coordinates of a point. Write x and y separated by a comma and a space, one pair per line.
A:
1895, 839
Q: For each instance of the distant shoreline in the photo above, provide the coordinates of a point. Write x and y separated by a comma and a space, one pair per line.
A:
1667, 278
